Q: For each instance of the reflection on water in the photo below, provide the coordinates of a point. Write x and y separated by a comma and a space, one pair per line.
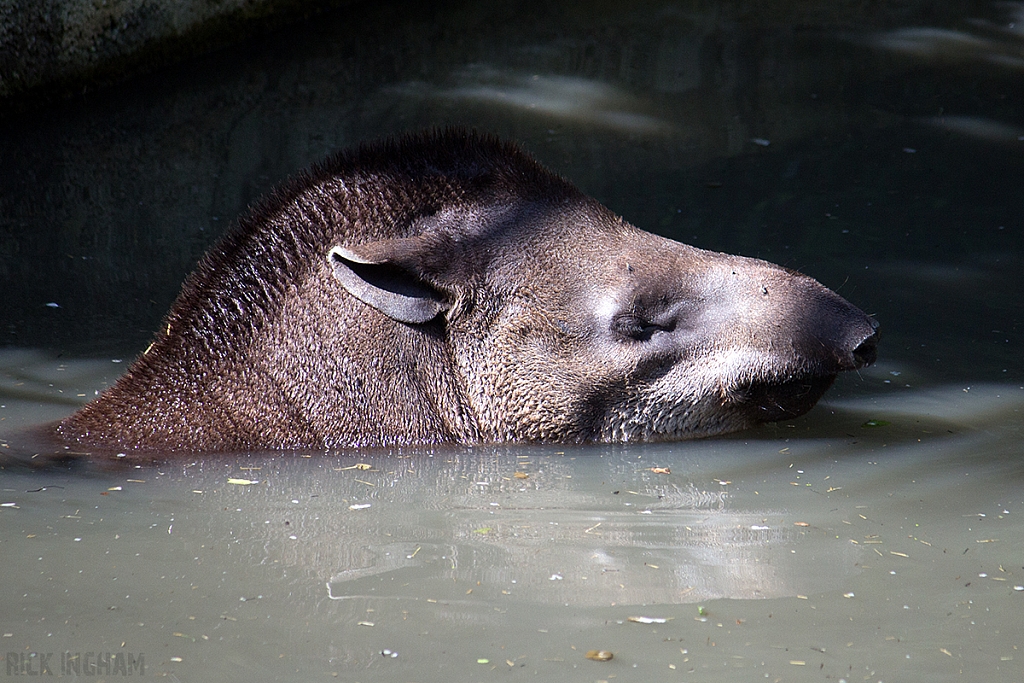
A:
978, 128
564, 99
559, 545
998, 45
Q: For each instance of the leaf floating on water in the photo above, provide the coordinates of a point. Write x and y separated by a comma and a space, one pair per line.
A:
599, 655
521, 475
359, 506
661, 470
242, 482
876, 423
483, 660
482, 530
703, 611
800, 524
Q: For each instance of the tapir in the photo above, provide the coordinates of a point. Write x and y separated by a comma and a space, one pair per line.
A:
445, 288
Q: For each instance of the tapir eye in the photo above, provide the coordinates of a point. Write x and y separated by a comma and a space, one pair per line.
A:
636, 327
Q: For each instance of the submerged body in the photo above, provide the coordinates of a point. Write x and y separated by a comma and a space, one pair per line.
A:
446, 288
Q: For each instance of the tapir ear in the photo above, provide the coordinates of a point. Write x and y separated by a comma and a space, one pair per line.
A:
384, 275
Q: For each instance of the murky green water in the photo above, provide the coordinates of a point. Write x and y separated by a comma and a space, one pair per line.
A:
880, 151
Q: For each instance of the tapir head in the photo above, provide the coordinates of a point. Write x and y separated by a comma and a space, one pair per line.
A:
568, 324
447, 288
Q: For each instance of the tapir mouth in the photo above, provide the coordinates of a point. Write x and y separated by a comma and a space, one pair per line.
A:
770, 402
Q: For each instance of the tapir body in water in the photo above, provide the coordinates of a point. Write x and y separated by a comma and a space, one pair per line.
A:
446, 288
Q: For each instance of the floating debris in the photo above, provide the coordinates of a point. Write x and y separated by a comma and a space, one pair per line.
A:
647, 620
599, 655
242, 482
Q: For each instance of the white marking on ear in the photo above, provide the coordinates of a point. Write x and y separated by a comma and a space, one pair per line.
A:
346, 254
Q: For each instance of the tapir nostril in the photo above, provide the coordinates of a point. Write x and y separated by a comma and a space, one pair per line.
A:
867, 351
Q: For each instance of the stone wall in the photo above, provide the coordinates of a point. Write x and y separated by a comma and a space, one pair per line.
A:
55, 48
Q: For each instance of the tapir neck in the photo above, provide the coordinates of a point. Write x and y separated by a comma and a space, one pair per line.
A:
289, 386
